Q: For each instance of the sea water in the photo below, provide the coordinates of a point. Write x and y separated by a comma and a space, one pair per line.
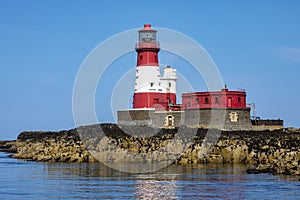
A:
35, 180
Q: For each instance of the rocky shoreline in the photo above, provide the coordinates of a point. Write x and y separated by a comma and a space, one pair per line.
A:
276, 151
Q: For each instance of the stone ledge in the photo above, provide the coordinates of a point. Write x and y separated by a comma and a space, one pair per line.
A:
276, 151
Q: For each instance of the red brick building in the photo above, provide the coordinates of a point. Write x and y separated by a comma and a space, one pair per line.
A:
215, 99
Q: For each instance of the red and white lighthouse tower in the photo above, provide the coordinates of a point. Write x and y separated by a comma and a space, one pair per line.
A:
152, 90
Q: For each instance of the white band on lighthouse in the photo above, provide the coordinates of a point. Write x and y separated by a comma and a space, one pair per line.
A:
148, 79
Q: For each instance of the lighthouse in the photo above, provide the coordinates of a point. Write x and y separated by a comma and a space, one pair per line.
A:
152, 91
154, 99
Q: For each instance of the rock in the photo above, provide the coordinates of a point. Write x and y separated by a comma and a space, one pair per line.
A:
122, 160
215, 158
265, 147
183, 161
271, 151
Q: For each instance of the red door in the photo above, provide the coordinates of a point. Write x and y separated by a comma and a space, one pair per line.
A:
229, 102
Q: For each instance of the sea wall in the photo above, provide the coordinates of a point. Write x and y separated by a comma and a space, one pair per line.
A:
229, 119
276, 151
219, 117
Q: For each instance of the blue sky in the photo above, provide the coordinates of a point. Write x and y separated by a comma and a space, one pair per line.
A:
255, 44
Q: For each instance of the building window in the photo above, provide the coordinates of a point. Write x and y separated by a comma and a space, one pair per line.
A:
169, 84
217, 99
141, 57
239, 99
197, 100
229, 102
155, 57
189, 104
206, 100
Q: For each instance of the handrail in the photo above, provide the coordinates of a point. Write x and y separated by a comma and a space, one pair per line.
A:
147, 45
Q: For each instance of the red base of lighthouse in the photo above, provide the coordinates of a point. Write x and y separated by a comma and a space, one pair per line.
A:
159, 101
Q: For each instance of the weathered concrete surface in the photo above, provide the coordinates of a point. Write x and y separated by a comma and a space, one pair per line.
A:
276, 151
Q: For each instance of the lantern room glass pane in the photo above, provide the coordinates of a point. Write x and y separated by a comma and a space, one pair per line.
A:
147, 37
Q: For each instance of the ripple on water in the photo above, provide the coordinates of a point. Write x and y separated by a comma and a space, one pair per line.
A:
32, 180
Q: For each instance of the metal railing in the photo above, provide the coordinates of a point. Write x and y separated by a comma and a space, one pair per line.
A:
147, 45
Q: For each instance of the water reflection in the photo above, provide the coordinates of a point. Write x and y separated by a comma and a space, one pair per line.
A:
156, 186
200, 181
151, 189
167, 173
32, 180
95, 180
56, 170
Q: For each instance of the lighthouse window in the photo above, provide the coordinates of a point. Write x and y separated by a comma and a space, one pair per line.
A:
217, 99
197, 100
206, 100
155, 57
169, 84
141, 57
151, 84
239, 99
